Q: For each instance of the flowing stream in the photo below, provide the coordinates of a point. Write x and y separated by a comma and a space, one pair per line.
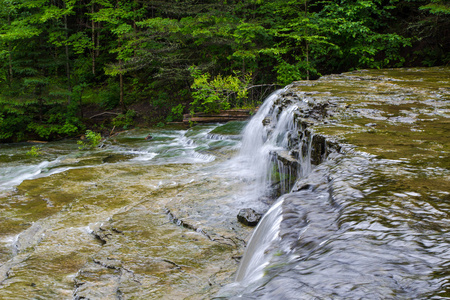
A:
368, 214
139, 218
352, 172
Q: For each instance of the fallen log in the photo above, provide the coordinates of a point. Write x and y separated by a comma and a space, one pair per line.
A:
221, 117
37, 142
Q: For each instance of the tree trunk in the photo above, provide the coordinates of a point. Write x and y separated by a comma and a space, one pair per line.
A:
93, 41
122, 103
307, 43
10, 71
69, 85
97, 46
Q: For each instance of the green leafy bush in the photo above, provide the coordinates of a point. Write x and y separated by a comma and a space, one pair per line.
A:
124, 120
35, 151
46, 131
93, 139
109, 98
13, 126
215, 94
176, 113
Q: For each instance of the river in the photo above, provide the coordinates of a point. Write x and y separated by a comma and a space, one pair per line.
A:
352, 170
143, 218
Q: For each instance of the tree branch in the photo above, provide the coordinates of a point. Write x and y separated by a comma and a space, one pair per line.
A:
104, 113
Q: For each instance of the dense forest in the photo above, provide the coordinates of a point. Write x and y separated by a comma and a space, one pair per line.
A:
150, 61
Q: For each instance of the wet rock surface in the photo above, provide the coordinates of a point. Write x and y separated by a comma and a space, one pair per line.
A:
370, 219
132, 225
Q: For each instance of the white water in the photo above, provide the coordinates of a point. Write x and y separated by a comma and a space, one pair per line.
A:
177, 146
267, 134
260, 142
193, 176
357, 229
13, 175
257, 161
255, 259
255, 134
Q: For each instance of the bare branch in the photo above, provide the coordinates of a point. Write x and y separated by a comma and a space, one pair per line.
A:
104, 113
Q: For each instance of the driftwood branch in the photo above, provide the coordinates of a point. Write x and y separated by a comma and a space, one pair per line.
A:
112, 130
234, 92
37, 142
104, 113
260, 85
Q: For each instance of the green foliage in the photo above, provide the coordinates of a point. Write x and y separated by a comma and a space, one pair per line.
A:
35, 151
176, 113
437, 7
109, 98
215, 94
48, 130
124, 120
56, 57
354, 29
161, 99
13, 125
287, 73
93, 140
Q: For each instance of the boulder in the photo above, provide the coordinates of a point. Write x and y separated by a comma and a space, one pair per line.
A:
249, 217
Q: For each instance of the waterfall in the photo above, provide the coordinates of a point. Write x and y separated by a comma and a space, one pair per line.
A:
264, 135
277, 148
255, 133
254, 259
280, 149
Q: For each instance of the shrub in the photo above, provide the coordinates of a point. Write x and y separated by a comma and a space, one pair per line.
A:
93, 139
35, 151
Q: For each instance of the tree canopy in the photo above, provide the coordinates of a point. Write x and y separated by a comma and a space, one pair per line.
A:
58, 56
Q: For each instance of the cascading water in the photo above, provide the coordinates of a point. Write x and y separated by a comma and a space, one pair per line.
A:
367, 216
71, 220
267, 144
254, 260
360, 161
254, 138
266, 141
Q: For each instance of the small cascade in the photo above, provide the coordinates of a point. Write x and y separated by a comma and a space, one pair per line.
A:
351, 170
255, 133
266, 134
277, 146
282, 150
13, 175
255, 258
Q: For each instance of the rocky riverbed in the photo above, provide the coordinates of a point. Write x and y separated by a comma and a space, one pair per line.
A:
360, 160
135, 218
